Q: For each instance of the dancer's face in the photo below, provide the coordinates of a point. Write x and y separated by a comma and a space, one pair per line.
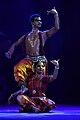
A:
37, 22
40, 68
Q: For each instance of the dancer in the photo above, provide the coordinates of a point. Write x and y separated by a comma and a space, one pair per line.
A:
34, 42
35, 99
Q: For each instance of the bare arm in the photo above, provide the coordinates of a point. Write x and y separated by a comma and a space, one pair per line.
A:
11, 49
12, 96
56, 69
55, 28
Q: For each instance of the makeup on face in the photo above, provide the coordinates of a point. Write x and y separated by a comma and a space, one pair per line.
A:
37, 19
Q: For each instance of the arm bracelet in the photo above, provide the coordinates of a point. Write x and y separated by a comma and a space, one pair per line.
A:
56, 67
56, 14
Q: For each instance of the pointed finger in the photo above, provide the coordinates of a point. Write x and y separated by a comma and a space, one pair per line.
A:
58, 59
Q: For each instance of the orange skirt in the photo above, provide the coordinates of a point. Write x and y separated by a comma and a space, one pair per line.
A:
42, 103
22, 69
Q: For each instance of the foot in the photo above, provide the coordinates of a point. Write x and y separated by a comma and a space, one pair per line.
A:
21, 110
36, 110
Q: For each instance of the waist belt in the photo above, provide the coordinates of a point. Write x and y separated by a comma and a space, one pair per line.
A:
39, 97
37, 58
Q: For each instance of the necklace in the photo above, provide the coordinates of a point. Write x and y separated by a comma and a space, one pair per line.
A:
33, 86
36, 85
33, 39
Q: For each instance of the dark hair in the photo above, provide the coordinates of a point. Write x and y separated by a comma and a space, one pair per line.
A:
33, 16
35, 64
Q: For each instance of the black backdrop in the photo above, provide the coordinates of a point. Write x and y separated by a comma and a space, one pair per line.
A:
14, 22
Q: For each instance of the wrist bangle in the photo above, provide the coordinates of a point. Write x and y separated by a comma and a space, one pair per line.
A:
56, 67
56, 14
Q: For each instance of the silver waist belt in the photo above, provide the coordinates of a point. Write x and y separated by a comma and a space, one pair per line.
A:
39, 97
37, 58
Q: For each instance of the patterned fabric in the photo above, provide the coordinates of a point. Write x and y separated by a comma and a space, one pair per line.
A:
37, 86
37, 58
24, 68
43, 104
37, 97
36, 101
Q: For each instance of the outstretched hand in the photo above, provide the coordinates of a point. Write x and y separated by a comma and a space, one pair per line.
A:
8, 55
10, 99
55, 62
54, 11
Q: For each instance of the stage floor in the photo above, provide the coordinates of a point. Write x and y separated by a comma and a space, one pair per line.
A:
62, 112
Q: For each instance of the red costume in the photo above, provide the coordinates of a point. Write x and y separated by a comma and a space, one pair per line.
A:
37, 97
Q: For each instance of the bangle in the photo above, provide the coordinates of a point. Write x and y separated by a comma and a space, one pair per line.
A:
56, 67
56, 14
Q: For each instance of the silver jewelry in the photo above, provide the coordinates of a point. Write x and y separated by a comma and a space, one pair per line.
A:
34, 91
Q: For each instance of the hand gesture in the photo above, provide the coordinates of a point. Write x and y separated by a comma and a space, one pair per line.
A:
52, 11
55, 62
8, 55
10, 99
23, 89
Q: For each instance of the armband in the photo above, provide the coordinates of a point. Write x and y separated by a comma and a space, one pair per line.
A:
56, 14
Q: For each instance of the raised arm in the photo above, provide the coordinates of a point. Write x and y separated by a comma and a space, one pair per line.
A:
11, 49
56, 69
56, 27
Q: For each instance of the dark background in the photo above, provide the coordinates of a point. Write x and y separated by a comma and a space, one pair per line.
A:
65, 44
